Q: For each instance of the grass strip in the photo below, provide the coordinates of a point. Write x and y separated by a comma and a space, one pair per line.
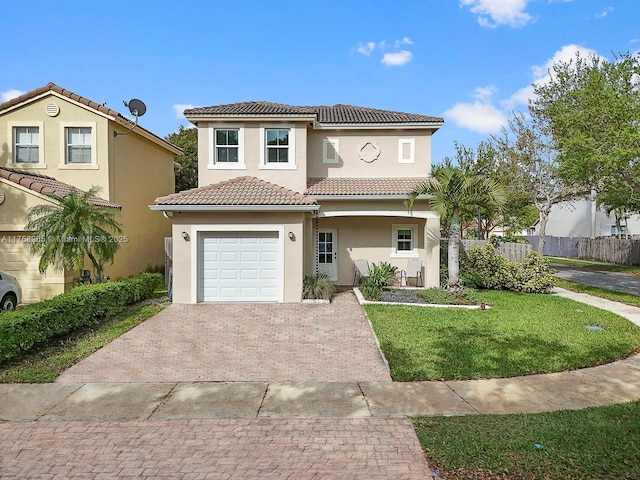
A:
593, 443
521, 334
608, 267
46, 363
621, 297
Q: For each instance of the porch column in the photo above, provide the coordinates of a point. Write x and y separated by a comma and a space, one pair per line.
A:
432, 252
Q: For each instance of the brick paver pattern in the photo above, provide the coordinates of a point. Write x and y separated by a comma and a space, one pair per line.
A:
213, 449
242, 342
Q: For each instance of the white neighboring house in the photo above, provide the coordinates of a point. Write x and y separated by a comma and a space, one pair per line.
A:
581, 218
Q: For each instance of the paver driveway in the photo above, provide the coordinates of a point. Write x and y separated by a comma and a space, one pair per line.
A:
242, 342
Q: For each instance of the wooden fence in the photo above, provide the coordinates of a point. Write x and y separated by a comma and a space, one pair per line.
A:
511, 251
610, 249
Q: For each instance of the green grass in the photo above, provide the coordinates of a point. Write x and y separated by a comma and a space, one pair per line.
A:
621, 297
594, 443
608, 267
46, 363
521, 334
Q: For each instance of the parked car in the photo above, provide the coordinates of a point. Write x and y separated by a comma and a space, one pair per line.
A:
10, 292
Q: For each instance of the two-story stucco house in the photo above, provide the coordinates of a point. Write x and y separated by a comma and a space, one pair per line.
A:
287, 191
52, 141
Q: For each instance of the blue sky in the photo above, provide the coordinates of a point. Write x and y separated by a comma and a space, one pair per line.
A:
470, 61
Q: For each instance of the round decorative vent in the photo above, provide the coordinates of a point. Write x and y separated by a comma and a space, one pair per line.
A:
369, 151
53, 109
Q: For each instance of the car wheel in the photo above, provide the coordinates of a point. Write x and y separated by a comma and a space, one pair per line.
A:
9, 302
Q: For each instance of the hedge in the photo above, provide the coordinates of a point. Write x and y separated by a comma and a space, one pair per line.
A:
86, 305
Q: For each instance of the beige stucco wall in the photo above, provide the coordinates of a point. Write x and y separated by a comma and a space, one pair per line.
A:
387, 164
295, 179
189, 222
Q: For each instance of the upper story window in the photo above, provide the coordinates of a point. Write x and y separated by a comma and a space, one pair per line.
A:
78, 145
26, 145
406, 150
278, 147
226, 146
330, 150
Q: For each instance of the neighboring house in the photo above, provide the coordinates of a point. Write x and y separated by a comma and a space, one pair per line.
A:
582, 218
52, 140
287, 191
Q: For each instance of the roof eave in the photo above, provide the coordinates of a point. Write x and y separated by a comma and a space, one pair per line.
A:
377, 126
229, 117
234, 208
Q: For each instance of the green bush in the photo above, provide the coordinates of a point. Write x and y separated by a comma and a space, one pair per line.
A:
383, 275
441, 296
471, 280
30, 325
532, 275
370, 291
317, 287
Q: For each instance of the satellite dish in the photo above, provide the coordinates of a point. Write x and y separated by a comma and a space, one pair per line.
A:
136, 107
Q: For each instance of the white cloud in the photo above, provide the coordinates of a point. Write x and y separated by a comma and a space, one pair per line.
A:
493, 13
9, 94
404, 41
605, 12
179, 108
481, 117
366, 49
397, 59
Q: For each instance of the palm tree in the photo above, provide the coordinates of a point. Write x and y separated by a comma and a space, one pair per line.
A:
71, 229
450, 192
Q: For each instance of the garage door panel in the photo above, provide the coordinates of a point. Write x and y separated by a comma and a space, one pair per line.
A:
240, 266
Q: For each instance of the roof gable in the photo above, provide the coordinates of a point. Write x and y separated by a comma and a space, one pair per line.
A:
46, 185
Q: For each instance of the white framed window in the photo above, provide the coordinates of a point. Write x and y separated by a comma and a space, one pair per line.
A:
330, 150
278, 147
226, 143
404, 241
406, 150
78, 145
27, 149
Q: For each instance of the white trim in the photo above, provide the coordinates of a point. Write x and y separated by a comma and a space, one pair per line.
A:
235, 208
377, 213
413, 253
196, 230
335, 143
63, 165
291, 163
11, 126
213, 165
412, 150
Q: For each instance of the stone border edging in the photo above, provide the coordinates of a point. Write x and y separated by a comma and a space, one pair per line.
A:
362, 301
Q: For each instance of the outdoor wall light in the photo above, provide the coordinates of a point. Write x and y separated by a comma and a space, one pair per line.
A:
292, 236
185, 235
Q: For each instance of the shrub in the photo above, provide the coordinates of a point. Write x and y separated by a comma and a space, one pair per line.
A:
383, 275
471, 280
370, 291
441, 296
317, 287
26, 327
532, 275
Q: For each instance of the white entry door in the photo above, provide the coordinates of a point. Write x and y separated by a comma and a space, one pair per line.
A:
327, 260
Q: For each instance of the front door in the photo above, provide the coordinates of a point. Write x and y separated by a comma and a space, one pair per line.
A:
327, 260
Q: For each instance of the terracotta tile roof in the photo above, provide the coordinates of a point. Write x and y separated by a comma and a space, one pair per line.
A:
238, 191
336, 114
362, 186
48, 185
52, 87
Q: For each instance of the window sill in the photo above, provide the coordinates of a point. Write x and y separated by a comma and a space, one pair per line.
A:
227, 166
285, 166
28, 166
78, 166
405, 255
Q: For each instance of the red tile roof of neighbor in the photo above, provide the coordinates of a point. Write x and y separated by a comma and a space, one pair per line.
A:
362, 186
48, 185
100, 107
336, 114
238, 191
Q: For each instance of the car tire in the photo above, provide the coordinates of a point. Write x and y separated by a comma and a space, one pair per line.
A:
9, 302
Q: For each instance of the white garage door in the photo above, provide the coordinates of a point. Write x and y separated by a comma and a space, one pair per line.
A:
240, 267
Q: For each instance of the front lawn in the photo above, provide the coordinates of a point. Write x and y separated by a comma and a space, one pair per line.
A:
594, 443
521, 334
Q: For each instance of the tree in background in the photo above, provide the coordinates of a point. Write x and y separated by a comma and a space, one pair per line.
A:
525, 148
451, 192
592, 109
187, 139
71, 229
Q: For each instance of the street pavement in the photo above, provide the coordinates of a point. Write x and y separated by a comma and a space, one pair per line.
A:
616, 281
